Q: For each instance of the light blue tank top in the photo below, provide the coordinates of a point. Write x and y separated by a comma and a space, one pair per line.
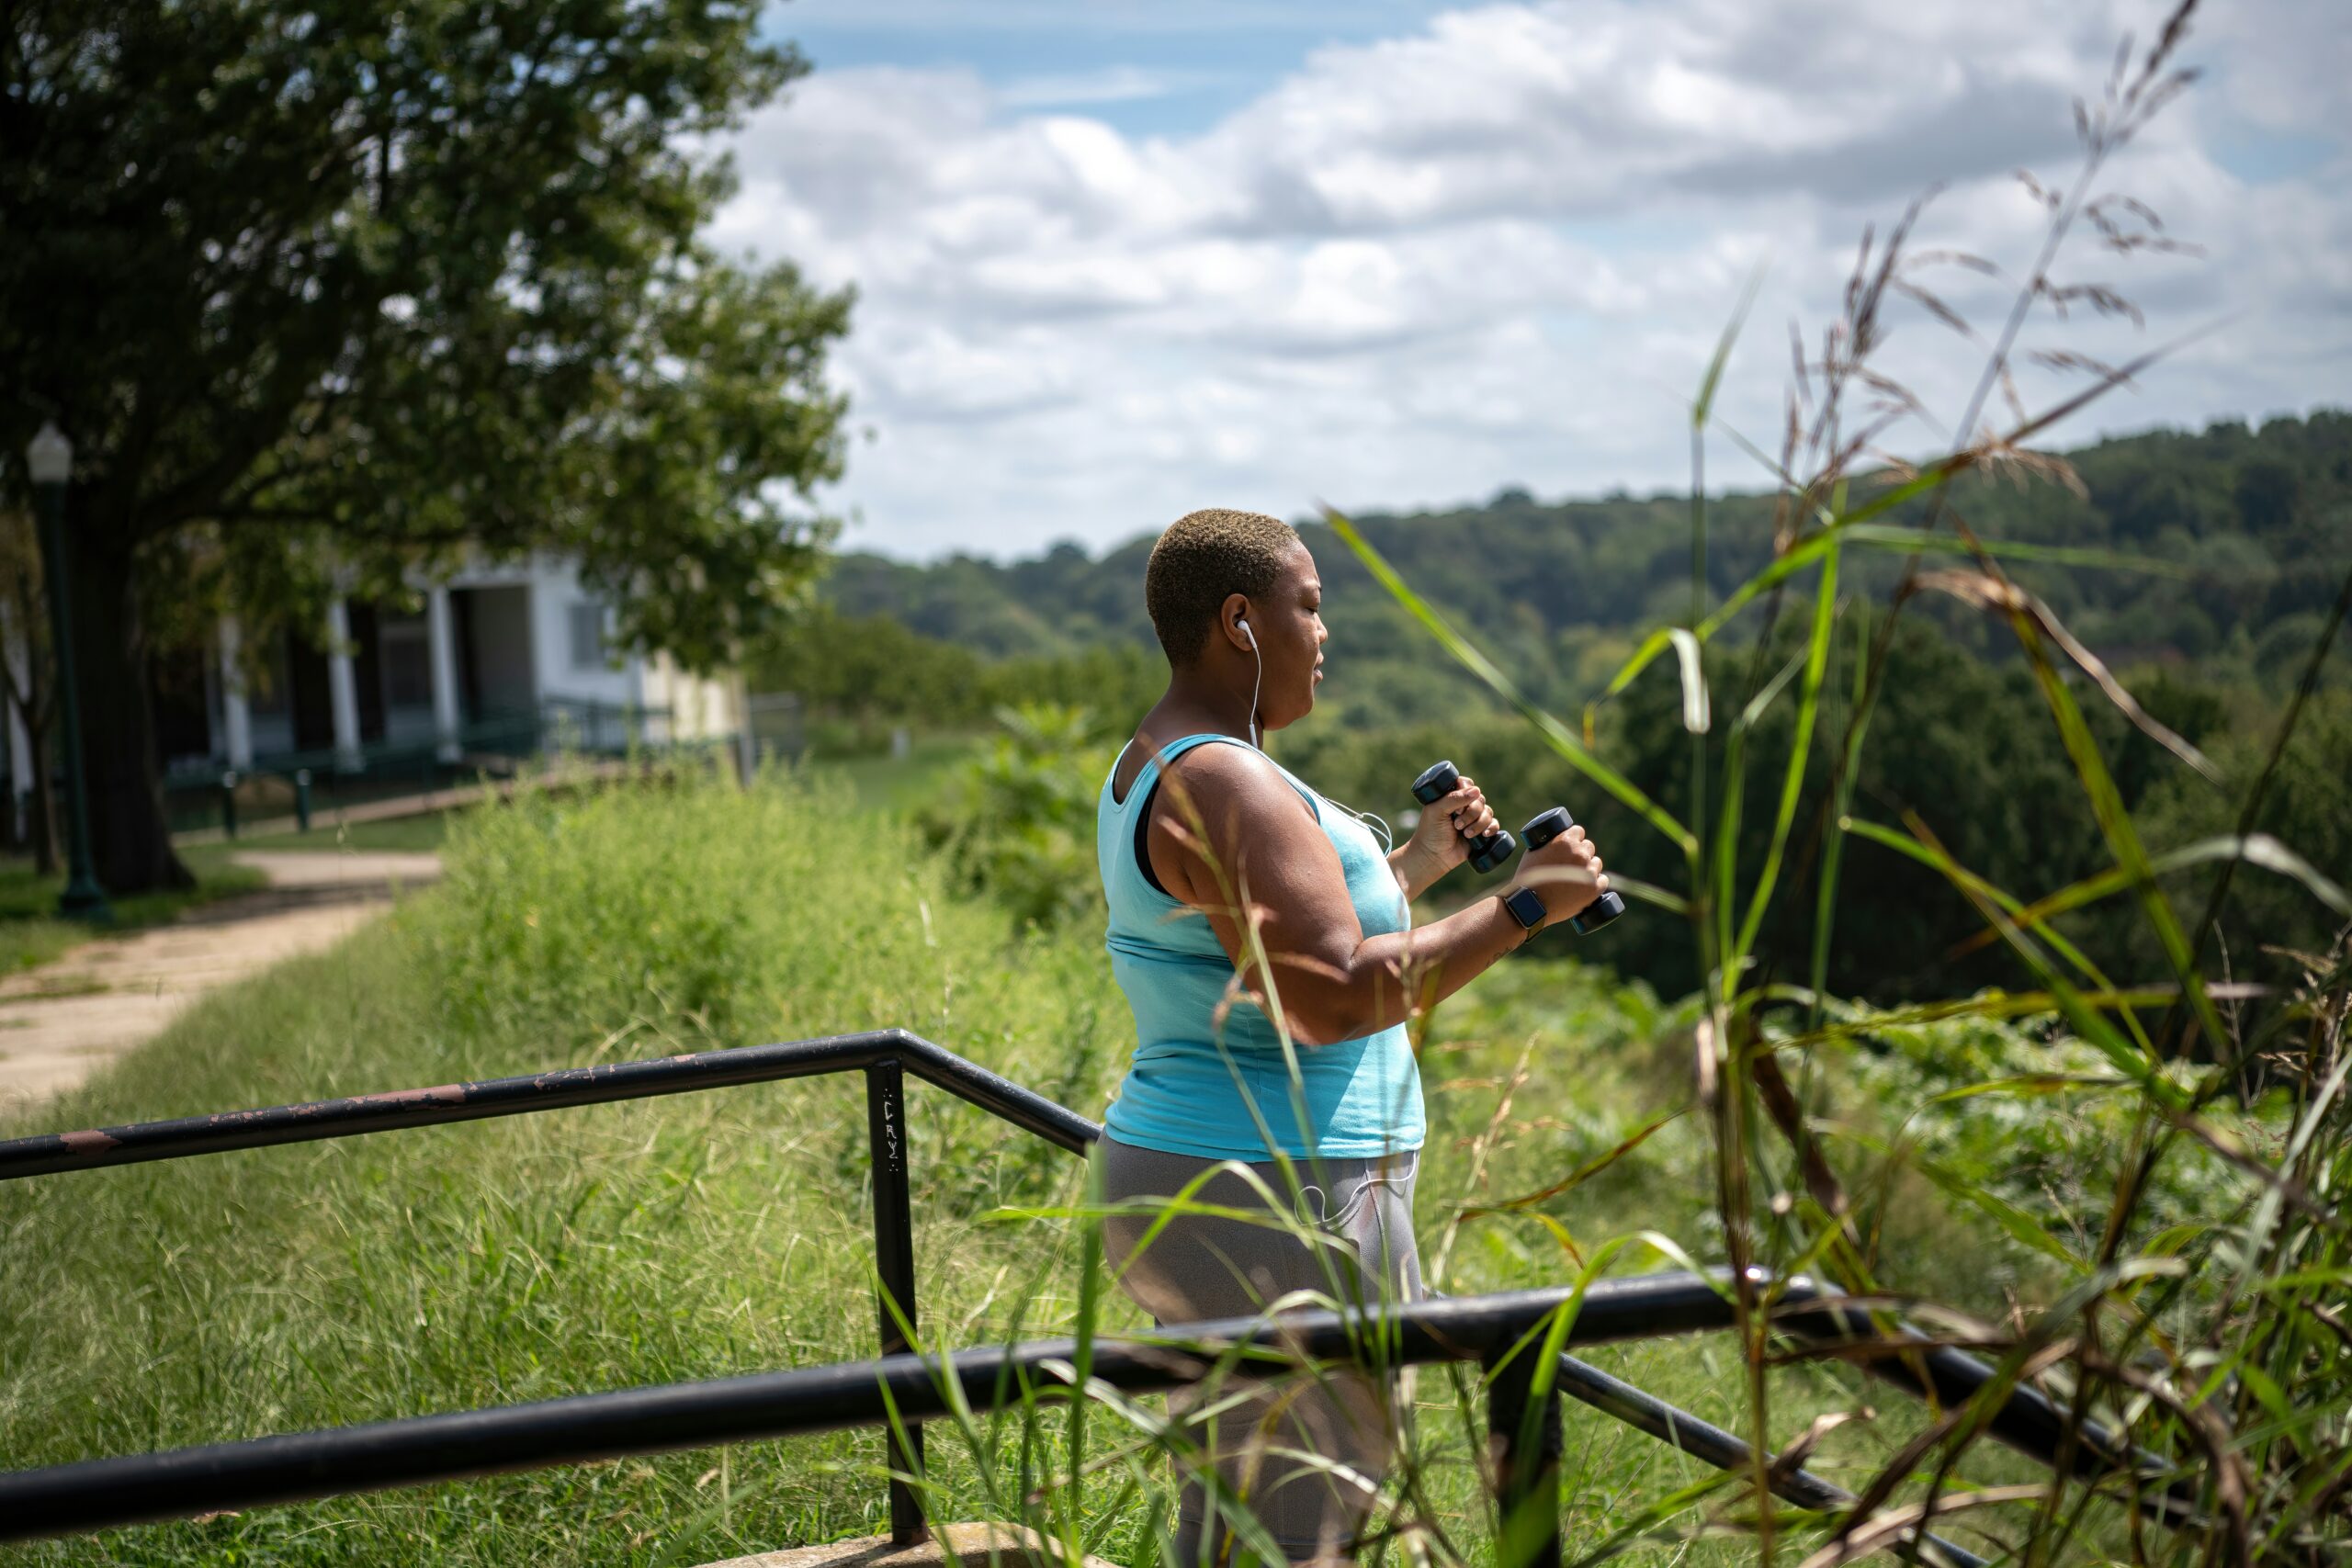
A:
1194, 1079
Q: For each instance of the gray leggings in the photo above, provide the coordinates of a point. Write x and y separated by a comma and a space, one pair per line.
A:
1209, 1267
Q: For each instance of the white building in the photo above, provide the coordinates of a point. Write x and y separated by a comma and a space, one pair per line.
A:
501, 658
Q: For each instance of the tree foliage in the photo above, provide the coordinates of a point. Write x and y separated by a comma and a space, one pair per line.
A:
324, 294
1017, 822
874, 667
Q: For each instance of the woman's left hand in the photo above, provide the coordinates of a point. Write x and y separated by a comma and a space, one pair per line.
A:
1441, 840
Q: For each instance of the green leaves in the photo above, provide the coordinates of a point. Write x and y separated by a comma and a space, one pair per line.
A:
1017, 822
2020, 1225
325, 299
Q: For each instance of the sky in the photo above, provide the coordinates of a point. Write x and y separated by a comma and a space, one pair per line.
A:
1121, 259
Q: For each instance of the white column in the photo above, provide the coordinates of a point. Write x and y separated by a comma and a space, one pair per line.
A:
443, 640
236, 714
343, 689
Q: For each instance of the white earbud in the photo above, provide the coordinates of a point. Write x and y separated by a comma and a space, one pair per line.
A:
1246, 633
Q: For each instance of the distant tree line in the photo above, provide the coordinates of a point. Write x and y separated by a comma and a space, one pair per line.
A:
2249, 532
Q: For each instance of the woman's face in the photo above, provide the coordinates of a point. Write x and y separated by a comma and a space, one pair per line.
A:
1288, 621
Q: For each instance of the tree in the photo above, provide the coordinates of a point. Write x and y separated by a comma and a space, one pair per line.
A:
27, 682
2270, 923
327, 293
868, 665
2266, 491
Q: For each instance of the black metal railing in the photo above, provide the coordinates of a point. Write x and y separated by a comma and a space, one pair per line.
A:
98, 1493
52, 1151
424, 1449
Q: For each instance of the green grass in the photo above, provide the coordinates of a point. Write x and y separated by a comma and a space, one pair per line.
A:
280, 1289
32, 934
425, 832
900, 784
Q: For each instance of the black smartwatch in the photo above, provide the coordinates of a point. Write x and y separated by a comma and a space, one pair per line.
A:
1526, 907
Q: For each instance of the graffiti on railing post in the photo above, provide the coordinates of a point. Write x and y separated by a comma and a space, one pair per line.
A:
894, 1263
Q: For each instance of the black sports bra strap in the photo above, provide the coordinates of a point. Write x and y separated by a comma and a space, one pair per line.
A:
1143, 815
1143, 840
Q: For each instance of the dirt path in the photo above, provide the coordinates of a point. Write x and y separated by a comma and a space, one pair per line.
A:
61, 1022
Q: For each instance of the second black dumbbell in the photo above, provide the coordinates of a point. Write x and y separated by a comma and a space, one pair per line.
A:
1442, 779
1540, 830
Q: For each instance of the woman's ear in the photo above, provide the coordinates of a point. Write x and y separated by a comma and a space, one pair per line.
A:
1234, 618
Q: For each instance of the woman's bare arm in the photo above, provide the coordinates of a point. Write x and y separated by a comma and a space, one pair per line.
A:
1228, 832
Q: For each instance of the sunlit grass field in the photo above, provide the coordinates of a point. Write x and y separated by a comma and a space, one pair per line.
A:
280, 1289
901, 783
422, 832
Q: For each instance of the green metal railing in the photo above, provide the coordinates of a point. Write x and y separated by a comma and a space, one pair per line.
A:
294, 785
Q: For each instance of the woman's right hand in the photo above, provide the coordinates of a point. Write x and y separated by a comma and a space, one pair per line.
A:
1565, 873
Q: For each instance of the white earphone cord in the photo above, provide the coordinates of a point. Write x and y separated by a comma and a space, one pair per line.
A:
1257, 659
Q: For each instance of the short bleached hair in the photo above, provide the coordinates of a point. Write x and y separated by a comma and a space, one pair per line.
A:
1203, 558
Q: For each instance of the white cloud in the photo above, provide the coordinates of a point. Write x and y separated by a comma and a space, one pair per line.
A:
1119, 85
1497, 250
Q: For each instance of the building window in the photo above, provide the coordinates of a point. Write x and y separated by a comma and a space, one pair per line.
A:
408, 663
588, 636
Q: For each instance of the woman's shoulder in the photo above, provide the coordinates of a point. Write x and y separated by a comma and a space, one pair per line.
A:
1149, 748
1208, 755
1238, 774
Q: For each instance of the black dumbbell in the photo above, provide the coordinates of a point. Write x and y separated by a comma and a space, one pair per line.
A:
1540, 830
1440, 780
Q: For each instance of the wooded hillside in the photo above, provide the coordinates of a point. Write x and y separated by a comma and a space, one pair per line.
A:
2249, 532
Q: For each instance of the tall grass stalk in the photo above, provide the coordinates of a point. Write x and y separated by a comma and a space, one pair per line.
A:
2215, 1347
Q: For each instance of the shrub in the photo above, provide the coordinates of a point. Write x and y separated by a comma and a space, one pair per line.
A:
1018, 823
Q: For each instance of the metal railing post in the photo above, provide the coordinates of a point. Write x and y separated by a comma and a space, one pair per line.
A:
1527, 1473
894, 1262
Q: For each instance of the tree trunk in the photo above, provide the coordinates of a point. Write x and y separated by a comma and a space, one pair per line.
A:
130, 840
40, 812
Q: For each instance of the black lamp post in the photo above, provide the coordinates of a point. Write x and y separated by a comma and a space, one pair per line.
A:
49, 458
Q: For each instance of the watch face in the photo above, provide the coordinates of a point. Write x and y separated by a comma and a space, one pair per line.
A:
1526, 907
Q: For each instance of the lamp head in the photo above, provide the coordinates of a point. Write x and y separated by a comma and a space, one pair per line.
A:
50, 455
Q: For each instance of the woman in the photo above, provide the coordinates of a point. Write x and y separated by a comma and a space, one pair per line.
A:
1196, 824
